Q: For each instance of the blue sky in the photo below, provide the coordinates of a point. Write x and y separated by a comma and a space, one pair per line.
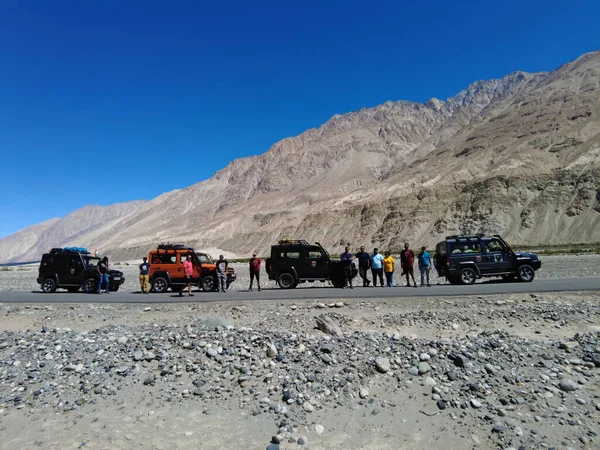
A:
137, 98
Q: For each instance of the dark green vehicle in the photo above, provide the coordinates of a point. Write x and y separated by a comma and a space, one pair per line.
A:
73, 269
462, 259
296, 261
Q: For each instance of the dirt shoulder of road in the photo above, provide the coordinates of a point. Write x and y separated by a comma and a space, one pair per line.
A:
249, 374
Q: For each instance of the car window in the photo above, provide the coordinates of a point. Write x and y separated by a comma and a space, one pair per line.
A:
286, 253
164, 258
465, 246
494, 246
441, 248
314, 253
205, 259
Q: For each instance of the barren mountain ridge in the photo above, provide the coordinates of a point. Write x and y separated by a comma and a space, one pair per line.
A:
519, 156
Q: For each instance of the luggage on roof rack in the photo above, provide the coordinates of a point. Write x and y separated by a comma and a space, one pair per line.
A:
293, 241
70, 250
168, 246
466, 236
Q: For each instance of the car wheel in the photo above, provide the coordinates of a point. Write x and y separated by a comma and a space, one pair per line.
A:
452, 280
467, 276
286, 281
90, 285
73, 289
160, 285
525, 273
208, 283
338, 282
49, 286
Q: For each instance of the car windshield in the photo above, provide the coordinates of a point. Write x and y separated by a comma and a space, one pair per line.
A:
205, 258
91, 261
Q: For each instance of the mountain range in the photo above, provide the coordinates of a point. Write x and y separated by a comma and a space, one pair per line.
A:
518, 156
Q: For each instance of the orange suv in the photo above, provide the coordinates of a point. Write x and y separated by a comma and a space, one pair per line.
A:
166, 269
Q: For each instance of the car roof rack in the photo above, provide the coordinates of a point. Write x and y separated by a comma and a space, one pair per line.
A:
81, 250
293, 242
168, 246
466, 236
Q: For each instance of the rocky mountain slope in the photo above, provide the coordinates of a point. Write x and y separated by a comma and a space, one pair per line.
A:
518, 156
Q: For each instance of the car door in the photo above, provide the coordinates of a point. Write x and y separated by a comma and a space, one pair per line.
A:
495, 259
69, 269
316, 264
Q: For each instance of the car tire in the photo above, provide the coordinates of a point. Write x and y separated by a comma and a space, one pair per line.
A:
338, 282
48, 286
208, 283
286, 281
90, 285
73, 289
453, 280
160, 285
525, 273
467, 276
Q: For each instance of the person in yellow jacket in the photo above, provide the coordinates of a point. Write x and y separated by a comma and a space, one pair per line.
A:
388, 268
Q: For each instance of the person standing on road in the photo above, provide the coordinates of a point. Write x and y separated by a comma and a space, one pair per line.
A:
388, 268
254, 271
377, 267
364, 263
407, 261
424, 265
102, 270
222, 274
144, 276
347, 258
188, 273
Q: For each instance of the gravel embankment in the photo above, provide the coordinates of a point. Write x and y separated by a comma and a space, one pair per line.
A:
516, 371
560, 266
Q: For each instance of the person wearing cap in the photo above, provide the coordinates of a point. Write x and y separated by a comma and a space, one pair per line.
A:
254, 271
145, 277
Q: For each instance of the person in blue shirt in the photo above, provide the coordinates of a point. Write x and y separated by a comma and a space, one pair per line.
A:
424, 265
377, 267
144, 276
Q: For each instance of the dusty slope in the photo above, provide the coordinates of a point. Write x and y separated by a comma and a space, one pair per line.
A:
518, 155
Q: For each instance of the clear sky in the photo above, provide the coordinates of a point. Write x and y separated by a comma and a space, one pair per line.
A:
135, 98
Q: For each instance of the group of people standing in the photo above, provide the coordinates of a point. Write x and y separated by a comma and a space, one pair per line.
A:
381, 265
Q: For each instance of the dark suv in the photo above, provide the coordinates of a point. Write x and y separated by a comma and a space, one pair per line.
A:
296, 261
73, 268
463, 259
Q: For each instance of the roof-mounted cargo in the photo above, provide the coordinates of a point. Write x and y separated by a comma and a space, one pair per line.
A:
465, 236
81, 250
168, 246
293, 242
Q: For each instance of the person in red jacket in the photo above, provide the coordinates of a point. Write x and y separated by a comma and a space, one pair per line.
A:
407, 262
254, 271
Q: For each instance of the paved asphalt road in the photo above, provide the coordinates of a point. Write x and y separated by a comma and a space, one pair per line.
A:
310, 292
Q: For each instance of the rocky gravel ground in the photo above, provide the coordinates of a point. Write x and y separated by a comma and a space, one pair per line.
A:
517, 371
23, 278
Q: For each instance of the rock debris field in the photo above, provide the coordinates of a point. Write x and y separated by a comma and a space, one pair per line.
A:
515, 371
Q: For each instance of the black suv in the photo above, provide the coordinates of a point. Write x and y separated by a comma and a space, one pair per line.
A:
463, 259
73, 268
296, 261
